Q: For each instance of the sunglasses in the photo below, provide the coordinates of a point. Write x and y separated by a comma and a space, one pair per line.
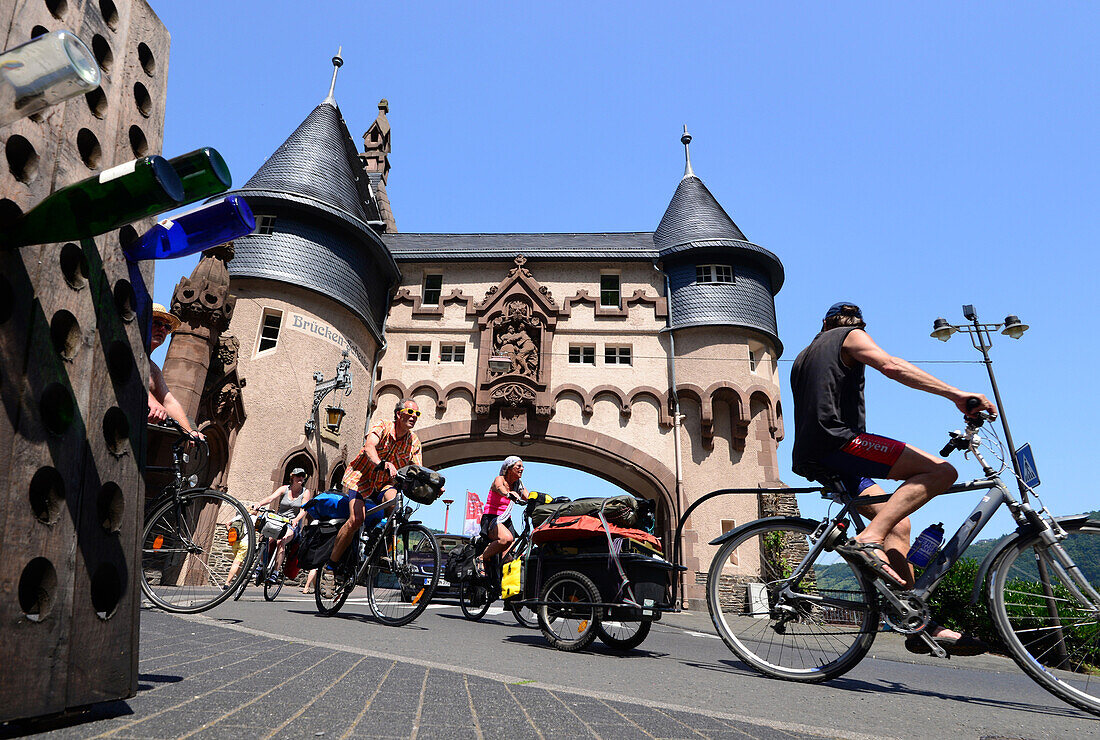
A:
410, 412
165, 324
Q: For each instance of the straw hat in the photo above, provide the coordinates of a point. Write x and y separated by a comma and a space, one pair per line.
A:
160, 312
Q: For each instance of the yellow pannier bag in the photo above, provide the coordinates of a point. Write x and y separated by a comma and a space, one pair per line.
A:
512, 582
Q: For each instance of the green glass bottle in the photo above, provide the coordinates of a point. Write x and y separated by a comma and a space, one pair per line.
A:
203, 173
114, 197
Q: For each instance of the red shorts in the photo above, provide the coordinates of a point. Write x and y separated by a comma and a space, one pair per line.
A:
865, 457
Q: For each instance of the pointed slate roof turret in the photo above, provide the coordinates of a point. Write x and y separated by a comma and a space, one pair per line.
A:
315, 189
696, 230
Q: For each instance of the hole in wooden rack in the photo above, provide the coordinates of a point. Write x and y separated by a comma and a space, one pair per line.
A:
139, 145
9, 213
74, 266
146, 59
57, 8
97, 102
102, 52
47, 495
37, 585
143, 100
116, 430
125, 300
57, 408
65, 334
7, 302
110, 505
39, 31
106, 590
88, 146
120, 361
110, 14
22, 158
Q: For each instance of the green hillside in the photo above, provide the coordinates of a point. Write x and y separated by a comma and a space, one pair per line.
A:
1085, 551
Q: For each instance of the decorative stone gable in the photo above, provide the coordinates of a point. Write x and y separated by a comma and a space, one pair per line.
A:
516, 319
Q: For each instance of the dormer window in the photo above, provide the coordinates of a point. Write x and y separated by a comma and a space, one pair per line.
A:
610, 291
265, 225
433, 290
714, 274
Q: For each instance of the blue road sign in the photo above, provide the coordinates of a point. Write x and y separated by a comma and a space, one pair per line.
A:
1025, 458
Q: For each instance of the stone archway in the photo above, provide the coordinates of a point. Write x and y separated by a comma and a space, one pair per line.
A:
599, 454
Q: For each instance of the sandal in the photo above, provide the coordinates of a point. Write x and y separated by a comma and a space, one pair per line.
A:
479, 567
863, 554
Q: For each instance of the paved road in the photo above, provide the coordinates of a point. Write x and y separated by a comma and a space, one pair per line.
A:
257, 669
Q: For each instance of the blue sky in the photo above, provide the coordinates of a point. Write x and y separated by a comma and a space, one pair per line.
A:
909, 158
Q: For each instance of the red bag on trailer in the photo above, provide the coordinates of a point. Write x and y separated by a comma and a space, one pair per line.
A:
585, 527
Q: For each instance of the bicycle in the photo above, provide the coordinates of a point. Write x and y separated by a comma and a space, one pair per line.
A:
267, 572
786, 619
398, 562
186, 546
477, 595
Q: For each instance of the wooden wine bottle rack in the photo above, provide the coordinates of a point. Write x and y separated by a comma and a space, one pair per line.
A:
73, 374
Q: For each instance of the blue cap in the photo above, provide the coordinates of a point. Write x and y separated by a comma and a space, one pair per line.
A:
838, 308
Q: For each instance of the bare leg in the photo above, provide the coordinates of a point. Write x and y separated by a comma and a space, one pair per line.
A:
351, 526
502, 542
925, 476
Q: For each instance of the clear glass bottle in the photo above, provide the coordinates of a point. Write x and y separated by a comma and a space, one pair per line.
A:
48, 69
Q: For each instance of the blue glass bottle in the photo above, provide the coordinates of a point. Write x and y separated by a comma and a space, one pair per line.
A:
194, 231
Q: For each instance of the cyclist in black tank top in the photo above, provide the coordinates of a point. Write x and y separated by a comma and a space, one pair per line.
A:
831, 438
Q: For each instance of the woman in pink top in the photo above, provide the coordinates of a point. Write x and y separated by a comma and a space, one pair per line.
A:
496, 520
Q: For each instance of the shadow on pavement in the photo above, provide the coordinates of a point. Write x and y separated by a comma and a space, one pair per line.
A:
72, 718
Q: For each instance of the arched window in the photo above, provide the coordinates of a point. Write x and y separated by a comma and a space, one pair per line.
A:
336, 480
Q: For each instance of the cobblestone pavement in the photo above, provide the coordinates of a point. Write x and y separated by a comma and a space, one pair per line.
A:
205, 681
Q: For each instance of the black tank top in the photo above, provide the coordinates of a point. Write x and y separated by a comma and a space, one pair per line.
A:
828, 400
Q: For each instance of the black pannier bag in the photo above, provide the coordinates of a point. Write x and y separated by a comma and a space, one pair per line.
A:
460, 564
316, 544
620, 510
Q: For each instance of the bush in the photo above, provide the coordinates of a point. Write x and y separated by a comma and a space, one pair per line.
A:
951, 607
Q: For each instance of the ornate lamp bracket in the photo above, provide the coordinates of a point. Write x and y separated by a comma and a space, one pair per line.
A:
323, 387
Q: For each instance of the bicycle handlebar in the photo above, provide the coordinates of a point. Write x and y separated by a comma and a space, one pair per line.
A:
974, 420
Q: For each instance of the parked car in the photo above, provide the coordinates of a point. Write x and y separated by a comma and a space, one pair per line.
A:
447, 543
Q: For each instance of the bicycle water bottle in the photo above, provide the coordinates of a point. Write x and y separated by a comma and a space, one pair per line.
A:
926, 546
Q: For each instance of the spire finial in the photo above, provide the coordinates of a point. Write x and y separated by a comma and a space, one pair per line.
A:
685, 140
337, 62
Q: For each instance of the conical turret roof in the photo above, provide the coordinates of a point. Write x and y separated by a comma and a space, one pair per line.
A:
315, 167
695, 221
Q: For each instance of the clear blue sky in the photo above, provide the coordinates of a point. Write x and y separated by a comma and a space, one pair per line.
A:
909, 158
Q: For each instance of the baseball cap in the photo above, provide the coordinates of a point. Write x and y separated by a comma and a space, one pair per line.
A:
297, 471
838, 308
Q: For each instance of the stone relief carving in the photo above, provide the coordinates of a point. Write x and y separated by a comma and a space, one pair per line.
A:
517, 334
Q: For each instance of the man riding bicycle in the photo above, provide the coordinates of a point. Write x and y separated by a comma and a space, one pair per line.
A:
389, 445
831, 440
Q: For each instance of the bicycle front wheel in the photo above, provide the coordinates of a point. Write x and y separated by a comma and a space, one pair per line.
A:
808, 629
402, 579
1053, 634
186, 553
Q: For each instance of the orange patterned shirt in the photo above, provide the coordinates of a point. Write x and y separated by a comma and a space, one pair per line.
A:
361, 475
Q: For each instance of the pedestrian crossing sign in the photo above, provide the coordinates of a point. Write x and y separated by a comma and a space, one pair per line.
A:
1026, 461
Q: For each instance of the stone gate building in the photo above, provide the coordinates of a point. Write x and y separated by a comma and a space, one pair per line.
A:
563, 348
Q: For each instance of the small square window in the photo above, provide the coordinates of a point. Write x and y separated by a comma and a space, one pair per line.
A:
265, 225
616, 355
418, 352
269, 329
714, 273
433, 290
727, 526
452, 353
581, 354
609, 290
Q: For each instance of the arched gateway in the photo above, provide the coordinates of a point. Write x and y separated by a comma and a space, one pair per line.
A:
645, 358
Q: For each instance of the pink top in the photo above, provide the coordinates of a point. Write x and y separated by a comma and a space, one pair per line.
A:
496, 503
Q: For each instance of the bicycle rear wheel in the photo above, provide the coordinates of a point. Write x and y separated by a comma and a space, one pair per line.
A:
401, 581
525, 615
810, 630
1025, 616
185, 551
474, 600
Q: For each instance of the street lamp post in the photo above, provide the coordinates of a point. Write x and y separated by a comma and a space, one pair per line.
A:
980, 338
447, 512
323, 387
